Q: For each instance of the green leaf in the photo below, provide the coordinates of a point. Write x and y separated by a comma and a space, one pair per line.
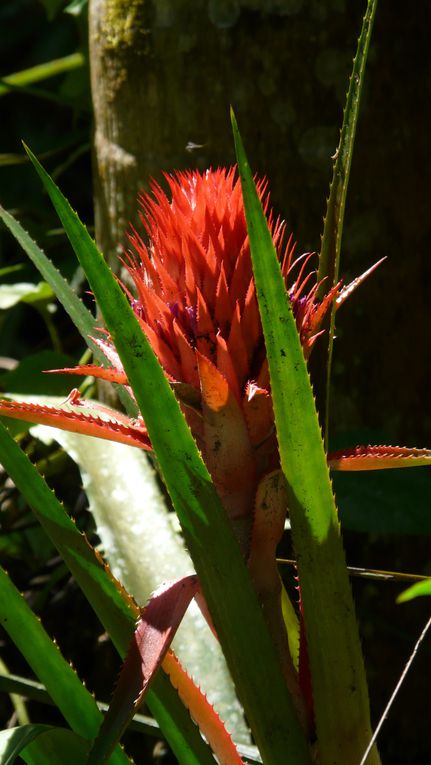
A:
11, 294
81, 316
114, 608
329, 260
35, 691
57, 747
209, 537
19, 703
415, 591
10, 269
338, 674
42, 744
27, 77
14, 740
76, 704
76, 7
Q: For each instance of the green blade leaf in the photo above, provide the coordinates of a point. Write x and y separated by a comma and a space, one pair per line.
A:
415, 591
114, 608
40, 744
76, 704
339, 685
14, 740
215, 552
80, 315
329, 260
40, 72
57, 746
11, 294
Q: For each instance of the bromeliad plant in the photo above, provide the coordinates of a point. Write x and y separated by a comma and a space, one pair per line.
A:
195, 304
210, 349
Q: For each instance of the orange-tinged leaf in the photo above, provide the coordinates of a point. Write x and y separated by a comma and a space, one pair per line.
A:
241, 276
202, 712
226, 365
228, 452
258, 413
102, 373
80, 417
215, 389
164, 353
378, 458
223, 305
187, 355
157, 313
251, 326
205, 327
320, 312
268, 526
237, 346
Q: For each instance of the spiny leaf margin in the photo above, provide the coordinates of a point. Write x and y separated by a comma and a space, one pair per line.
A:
80, 315
113, 606
209, 537
74, 701
329, 259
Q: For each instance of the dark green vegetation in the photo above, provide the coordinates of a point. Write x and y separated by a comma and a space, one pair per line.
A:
288, 94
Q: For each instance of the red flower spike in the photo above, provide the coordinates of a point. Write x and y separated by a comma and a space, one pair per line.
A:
197, 303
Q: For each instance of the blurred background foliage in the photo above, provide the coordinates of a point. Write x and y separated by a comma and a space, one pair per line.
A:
284, 65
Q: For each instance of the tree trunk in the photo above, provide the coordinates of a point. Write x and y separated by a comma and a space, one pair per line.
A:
163, 76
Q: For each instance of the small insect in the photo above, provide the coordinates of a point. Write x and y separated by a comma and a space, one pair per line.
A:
191, 146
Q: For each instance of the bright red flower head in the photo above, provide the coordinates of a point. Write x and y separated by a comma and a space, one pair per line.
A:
194, 280
197, 304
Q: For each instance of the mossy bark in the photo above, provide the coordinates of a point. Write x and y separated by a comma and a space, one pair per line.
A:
118, 37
